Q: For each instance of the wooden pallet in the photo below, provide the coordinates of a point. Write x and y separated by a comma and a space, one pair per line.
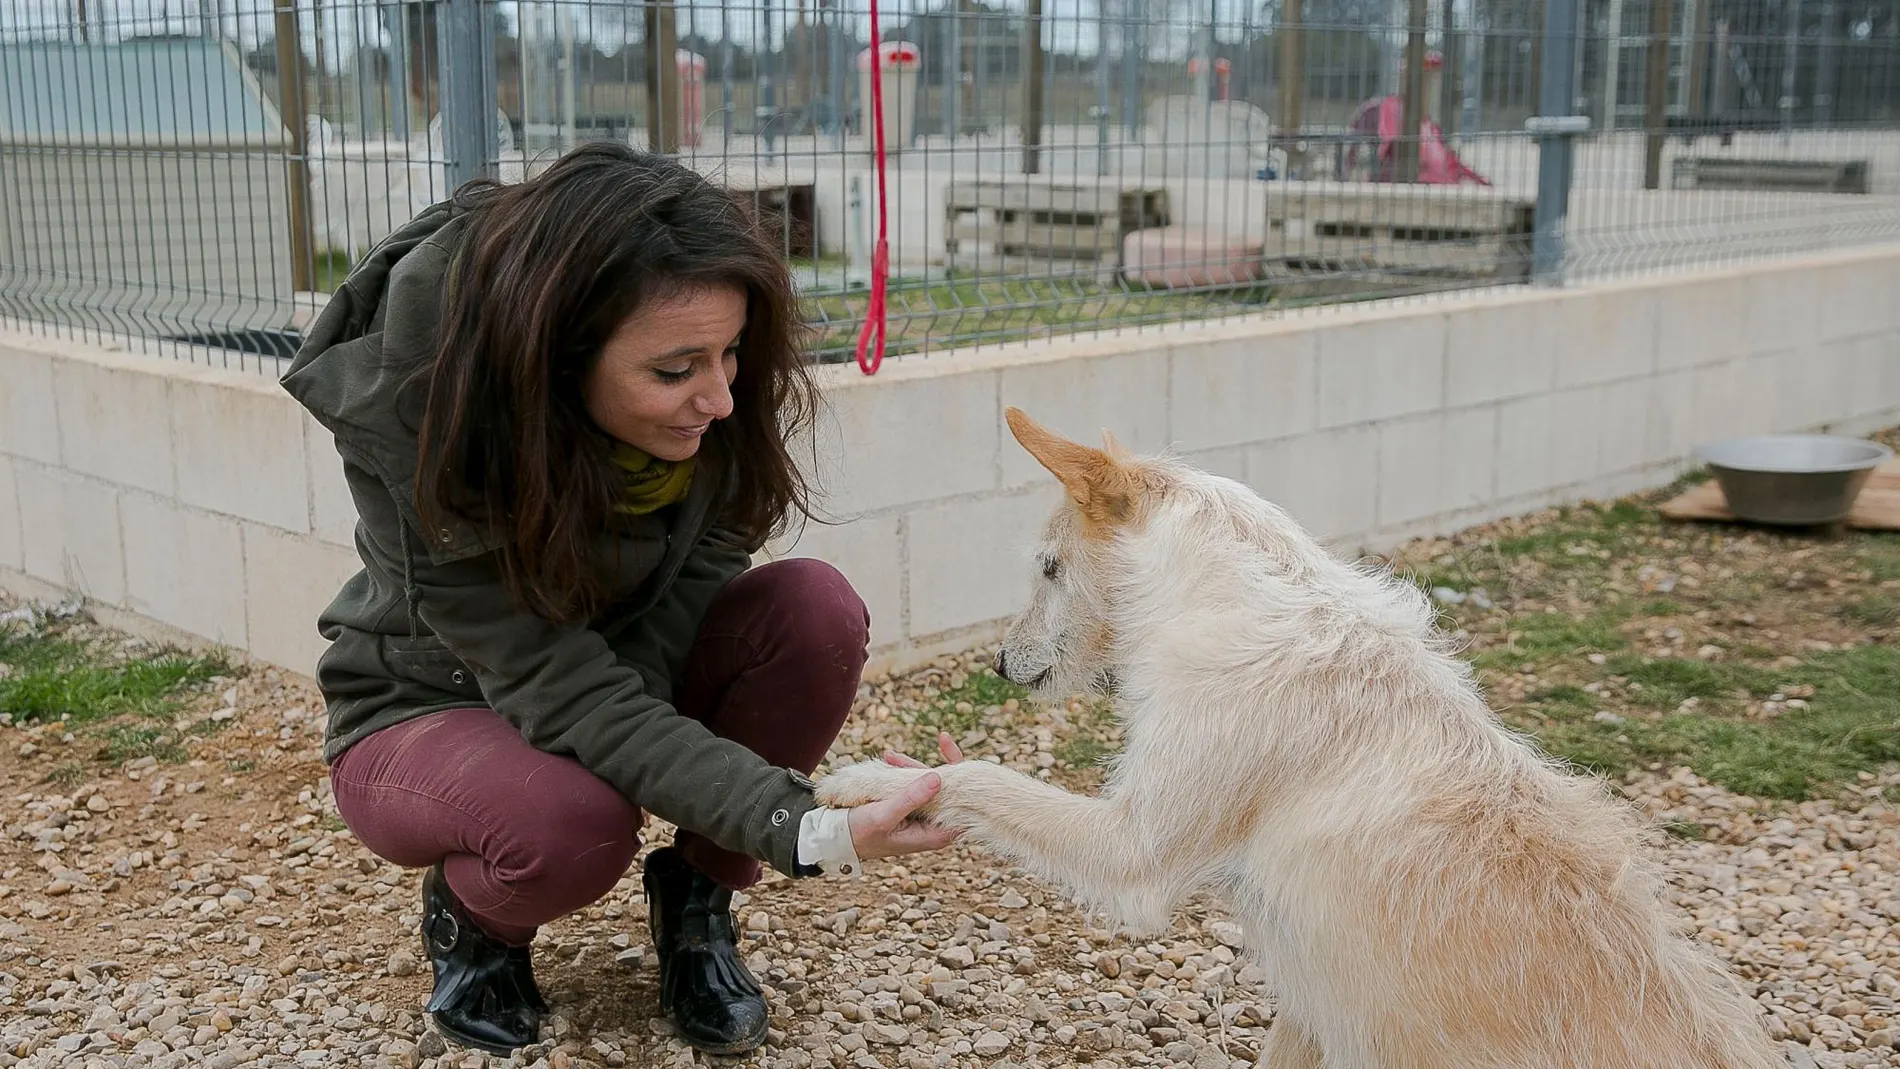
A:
1876, 509
1078, 224
1332, 233
1793, 176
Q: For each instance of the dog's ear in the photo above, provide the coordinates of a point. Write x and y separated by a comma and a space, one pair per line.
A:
1101, 485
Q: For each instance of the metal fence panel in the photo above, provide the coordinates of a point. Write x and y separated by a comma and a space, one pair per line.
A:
200, 173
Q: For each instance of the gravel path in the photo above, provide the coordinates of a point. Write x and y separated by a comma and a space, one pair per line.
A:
214, 913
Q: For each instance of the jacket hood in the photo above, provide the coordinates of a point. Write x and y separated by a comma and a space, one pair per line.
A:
376, 332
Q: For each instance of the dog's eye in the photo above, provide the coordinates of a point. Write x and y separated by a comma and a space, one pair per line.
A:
1051, 568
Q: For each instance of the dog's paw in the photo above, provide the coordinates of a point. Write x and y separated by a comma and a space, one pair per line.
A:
867, 781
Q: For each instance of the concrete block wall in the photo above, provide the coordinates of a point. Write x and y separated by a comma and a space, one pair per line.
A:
204, 504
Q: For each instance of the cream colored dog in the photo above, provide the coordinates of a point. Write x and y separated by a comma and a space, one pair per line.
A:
1423, 890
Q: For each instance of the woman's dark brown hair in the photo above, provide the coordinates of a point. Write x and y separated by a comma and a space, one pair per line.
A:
546, 272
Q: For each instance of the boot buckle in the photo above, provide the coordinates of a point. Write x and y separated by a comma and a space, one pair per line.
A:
432, 930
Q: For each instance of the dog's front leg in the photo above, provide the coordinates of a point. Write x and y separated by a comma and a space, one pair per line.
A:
1091, 846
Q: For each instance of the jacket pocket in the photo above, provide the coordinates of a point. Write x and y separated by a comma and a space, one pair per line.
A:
426, 660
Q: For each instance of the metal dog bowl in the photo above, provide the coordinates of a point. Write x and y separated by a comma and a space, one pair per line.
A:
1793, 479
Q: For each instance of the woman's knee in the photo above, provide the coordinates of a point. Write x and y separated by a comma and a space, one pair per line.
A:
807, 602
575, 839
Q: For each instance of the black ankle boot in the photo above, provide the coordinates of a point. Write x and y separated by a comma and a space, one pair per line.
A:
485, 996
714, 1001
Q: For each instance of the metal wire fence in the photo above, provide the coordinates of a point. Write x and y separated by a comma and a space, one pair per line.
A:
203, 173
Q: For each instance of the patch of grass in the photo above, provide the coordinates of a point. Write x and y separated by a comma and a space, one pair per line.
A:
52, 676
1684, 829
1082, 751
1660, 606
1880, 554
1565, 698
1580, 534
1667, 682
66, 774
1851, 725
1874, 610
1543, 635
970, 307
960, 710
128, 739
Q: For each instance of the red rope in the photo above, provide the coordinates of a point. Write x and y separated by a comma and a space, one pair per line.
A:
874, 313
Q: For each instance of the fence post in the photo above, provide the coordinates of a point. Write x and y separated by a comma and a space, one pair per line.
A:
469, 136
1032, 88
1656, 92
1556, 126
290, 94
1292, 33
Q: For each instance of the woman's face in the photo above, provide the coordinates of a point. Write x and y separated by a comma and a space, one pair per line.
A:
666, 374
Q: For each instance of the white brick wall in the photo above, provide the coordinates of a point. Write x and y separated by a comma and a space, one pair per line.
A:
205, 501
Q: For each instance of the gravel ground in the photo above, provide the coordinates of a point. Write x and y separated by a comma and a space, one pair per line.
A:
213, 912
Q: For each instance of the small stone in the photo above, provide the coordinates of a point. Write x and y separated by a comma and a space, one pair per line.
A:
957, 957
1604, 716
990, 1044
1227, 933
221, 1021
98, 803
632, 957
758, 921
403, 1054
402, 963
431, 1045
890, 1035
1012, 900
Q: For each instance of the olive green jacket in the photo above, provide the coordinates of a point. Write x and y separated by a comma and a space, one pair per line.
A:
428, 625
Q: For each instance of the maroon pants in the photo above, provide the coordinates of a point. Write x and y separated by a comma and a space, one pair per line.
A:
775, 667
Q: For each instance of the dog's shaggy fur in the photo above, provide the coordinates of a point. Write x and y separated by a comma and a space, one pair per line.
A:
1422, 888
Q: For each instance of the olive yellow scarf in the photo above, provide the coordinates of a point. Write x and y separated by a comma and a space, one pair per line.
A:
651, 484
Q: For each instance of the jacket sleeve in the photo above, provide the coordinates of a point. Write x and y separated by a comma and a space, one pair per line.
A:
569, 693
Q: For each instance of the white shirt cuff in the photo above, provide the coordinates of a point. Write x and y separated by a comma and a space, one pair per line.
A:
824, 840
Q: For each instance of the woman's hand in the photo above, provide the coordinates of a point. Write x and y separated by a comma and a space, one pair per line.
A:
885, 829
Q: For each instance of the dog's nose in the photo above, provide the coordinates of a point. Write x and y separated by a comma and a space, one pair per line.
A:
999, 665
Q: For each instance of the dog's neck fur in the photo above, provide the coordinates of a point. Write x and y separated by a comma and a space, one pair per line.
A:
1249, 612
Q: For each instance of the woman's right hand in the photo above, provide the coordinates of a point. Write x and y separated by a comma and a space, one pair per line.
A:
885, 829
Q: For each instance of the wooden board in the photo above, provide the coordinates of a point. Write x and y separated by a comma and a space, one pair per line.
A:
1876, 509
